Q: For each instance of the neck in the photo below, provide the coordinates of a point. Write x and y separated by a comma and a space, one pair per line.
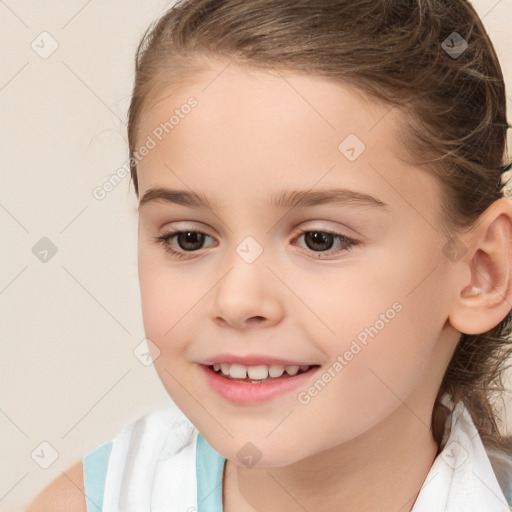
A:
382, 469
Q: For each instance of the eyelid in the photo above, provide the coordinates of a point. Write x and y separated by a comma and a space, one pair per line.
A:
165, 237
296, 231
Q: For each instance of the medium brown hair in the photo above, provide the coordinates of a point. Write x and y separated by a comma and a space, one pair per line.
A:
392, 50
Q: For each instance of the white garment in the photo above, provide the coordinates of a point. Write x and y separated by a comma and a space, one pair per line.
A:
152, 467
146, 456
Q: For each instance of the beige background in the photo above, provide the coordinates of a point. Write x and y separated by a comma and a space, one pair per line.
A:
70, 325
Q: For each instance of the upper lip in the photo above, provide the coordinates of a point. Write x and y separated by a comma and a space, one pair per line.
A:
253, 360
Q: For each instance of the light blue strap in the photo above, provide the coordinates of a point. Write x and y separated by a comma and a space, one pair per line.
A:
209, 470
95, 471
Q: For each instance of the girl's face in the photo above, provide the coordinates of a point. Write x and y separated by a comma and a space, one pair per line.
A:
260, 275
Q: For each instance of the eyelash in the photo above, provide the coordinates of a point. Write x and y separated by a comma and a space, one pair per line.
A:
164, 240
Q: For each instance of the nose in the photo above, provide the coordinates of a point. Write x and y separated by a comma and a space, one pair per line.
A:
248, 295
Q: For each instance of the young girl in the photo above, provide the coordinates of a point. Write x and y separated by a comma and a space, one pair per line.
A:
325, 263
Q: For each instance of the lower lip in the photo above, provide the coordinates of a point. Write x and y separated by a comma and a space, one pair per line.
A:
242, 393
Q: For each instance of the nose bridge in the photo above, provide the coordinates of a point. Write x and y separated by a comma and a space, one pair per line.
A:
247, 288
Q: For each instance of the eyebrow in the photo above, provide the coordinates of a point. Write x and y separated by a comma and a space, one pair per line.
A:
284, 199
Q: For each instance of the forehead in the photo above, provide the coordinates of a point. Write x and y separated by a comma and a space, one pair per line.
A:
229, 96
260, 129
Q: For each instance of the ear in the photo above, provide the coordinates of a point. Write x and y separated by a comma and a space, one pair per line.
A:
483, 303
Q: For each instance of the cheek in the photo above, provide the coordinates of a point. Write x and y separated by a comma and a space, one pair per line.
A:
165, 304
385, 318
165, 300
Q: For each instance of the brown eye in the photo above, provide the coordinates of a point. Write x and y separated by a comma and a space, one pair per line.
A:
190, 240
318, 240
323, 241
186, 244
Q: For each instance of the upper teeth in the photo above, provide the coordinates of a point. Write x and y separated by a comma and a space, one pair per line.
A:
260, 372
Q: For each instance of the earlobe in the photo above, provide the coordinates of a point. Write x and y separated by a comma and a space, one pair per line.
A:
484, 302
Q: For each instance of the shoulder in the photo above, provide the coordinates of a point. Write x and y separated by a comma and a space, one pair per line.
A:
64, 494
158, 435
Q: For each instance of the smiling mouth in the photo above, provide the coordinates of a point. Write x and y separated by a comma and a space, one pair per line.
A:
259, 374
